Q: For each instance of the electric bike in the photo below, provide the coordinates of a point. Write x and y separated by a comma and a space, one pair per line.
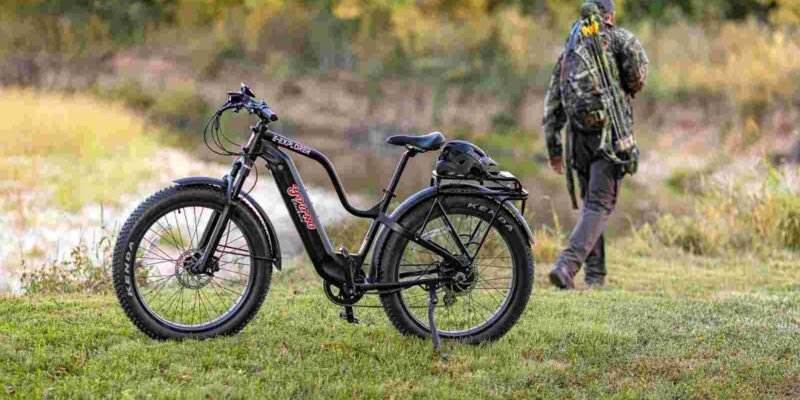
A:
454, 261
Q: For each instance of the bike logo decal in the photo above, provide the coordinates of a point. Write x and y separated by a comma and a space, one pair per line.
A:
301, 208
291, 144
485, 209
128, 259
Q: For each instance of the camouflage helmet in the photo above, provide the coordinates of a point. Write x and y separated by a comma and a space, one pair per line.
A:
605, 6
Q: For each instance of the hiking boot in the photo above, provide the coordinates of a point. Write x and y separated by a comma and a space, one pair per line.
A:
595, 283
595, 286
561, 278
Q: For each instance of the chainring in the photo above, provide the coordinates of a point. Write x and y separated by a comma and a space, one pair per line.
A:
338, 295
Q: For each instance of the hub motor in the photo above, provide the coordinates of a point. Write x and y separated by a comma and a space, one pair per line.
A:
464, 277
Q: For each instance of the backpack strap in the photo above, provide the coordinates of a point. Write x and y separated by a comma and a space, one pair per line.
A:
569, 158
574, 35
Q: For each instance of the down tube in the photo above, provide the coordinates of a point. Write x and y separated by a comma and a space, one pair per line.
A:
305, 219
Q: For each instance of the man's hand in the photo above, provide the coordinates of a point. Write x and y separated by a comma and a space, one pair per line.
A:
557, 163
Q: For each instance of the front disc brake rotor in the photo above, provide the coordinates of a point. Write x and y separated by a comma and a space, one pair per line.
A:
187, 278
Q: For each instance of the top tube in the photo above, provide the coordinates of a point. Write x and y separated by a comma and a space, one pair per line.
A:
299, 148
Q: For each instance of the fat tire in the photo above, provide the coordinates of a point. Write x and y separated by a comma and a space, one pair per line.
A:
390, 254
144, 216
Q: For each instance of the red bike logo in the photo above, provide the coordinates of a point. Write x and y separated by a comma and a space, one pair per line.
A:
301, 207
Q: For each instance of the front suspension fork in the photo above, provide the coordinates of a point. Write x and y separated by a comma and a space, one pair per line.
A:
215, 228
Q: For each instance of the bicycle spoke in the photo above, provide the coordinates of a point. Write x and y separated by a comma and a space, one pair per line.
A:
173, 240
158, 287
189, 229
197, 221
475, 303
156, 281
228, 290
210, 303
235, 272
228, 280
157, 248
216, 285
217, 292
168, 308
175, 294
499, 303
178, 227
155, 263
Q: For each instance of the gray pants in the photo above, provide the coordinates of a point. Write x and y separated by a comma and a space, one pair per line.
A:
599, 191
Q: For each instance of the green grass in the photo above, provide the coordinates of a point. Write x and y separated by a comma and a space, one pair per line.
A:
670, 325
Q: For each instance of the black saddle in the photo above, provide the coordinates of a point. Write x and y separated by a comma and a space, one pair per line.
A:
431, 141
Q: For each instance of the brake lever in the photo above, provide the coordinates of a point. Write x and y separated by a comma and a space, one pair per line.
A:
245, 90
240, 100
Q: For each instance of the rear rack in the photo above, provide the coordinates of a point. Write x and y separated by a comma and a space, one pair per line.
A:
502, 185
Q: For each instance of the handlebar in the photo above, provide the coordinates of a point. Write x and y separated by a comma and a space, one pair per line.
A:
245, 99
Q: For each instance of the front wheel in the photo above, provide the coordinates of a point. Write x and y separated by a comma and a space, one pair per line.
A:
491, 294
158, 244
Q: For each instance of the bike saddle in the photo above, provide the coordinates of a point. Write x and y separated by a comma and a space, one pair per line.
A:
431, 141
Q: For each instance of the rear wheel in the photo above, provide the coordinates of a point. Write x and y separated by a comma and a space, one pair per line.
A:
491, 294
152, 266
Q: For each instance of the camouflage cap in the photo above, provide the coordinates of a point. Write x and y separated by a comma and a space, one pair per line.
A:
606, 6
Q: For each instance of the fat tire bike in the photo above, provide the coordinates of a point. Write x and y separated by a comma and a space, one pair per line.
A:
453, 261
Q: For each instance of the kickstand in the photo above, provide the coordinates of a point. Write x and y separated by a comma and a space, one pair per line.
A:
348, 315
432, 301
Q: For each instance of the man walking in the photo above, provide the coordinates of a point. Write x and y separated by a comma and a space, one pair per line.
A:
573, 102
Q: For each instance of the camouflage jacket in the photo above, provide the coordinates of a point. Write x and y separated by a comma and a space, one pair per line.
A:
629, 58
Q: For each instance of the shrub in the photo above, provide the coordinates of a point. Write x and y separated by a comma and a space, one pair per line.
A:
548, 242
735, 221
780, 220
789, 223
683, 180
685, 233
748, 63
84, 271
349, 233
181, 106
130, 92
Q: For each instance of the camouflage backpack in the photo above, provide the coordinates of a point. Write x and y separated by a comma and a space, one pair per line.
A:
581, 91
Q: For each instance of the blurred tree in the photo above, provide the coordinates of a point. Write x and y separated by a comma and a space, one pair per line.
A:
122, 17
785, 12
695, 10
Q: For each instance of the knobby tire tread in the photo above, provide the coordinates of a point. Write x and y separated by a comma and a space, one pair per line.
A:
260, 290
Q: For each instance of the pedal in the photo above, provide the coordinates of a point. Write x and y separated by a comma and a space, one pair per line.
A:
348, 315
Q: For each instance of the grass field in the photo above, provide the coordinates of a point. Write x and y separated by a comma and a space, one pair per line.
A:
670, 325
68, 147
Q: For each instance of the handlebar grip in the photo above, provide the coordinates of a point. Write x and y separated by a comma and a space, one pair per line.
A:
268, 114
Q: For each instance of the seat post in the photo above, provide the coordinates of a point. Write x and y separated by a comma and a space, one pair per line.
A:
395, 181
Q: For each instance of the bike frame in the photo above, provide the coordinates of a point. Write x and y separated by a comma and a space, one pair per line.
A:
339, 268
